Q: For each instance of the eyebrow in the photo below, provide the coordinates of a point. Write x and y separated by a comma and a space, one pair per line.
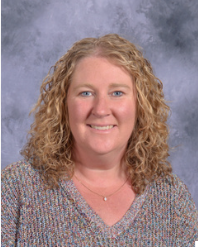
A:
119, 85
87, 85
112, 85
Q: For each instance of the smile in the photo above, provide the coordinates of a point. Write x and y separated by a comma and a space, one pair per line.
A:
102, 127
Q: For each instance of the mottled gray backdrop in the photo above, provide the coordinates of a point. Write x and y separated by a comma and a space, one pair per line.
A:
36, 33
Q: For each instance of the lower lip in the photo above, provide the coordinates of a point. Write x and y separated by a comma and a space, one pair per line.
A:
102, 131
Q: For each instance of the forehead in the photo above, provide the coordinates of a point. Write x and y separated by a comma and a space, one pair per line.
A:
100, 67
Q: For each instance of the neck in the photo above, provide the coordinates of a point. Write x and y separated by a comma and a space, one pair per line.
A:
99, 169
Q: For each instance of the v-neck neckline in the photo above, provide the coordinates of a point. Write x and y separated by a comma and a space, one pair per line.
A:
85, 209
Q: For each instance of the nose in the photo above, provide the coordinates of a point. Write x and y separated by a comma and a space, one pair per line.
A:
101, 106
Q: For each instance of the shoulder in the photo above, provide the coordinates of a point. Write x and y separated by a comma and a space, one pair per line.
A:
18, 169
172, 184
174, 194
170, 201
171, 191
169, 186
19, 174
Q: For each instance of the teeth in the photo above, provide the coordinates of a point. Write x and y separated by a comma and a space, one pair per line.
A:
102, 127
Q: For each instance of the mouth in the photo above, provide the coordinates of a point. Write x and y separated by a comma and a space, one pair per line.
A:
105, 127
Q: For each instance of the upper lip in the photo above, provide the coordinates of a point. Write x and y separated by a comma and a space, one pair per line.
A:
100, 125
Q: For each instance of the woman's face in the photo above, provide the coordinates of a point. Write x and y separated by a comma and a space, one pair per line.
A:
102, 106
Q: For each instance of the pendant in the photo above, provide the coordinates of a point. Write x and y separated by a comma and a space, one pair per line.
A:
105, 198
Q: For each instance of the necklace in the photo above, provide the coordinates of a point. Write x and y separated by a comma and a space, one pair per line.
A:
104, 197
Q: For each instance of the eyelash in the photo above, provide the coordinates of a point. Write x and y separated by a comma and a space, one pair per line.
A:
84, 93
121, 93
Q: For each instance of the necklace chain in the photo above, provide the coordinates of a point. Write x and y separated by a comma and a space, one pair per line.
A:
104, 197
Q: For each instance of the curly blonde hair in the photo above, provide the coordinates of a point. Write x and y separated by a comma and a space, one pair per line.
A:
49, 147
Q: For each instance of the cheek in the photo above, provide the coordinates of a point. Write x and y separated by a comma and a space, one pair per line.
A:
127, 111
77, 111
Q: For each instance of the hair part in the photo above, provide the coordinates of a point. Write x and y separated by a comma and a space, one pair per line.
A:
50, 142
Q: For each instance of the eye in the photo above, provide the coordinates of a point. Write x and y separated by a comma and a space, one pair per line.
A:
86, 93
117, 93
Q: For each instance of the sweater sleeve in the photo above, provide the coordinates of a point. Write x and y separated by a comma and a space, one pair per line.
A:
187, 218
9, 207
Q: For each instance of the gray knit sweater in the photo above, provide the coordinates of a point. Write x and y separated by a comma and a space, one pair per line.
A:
33, 216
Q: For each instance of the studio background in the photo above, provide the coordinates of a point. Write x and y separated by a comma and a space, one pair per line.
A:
35, 34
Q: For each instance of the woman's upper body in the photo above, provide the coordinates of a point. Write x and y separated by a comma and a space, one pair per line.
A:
100, 125
34, 215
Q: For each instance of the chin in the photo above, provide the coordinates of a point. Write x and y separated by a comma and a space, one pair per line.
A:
105, 151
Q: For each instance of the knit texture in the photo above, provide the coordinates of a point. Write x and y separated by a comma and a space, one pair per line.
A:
33, 216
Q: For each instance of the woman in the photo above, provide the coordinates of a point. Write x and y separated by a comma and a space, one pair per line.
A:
95, 171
